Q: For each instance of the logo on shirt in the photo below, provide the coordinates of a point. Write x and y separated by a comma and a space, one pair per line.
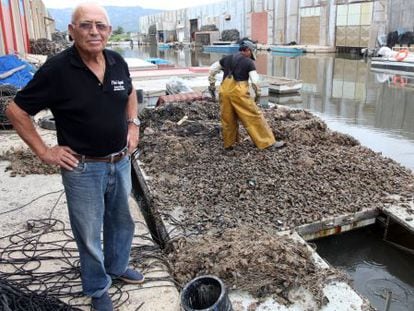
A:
118, 85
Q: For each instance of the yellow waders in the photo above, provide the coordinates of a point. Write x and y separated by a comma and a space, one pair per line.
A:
236, 103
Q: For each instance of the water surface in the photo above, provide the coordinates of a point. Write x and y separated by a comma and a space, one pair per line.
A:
374, 266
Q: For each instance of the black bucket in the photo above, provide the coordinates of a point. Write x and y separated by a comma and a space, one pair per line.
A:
206, 293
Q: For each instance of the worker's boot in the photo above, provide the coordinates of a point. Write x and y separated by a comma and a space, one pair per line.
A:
277, 145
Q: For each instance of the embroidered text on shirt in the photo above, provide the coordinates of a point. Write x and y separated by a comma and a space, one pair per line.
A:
118, 85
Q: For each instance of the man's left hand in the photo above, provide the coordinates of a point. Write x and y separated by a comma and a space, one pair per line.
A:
212, 91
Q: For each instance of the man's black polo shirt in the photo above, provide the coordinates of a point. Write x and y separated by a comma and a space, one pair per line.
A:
90, 117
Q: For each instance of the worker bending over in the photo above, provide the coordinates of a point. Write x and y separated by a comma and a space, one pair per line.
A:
235, 101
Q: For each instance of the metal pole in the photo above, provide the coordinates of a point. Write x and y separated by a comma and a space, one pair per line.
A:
388, 301
387, 223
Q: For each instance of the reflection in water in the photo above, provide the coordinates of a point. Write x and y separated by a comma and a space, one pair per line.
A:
374, 266
375, 108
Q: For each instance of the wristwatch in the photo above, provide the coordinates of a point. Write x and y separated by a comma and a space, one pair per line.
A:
134, 121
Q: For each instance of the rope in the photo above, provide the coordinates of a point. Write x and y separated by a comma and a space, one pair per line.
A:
17, 297
7, 93
39, 266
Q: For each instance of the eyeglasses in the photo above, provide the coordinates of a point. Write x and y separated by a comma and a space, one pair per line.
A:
87, 26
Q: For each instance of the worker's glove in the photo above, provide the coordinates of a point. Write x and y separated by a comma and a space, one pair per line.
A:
258, 92
257, 99
212, 91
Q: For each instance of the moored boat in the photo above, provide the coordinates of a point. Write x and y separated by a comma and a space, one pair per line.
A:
164, 45
398, 61
225, 48
382, 64
282, 85
158, 61
287, 49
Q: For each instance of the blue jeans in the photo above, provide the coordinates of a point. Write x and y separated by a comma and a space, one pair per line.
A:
97, 196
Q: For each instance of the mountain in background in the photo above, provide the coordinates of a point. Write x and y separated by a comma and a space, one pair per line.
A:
126, 17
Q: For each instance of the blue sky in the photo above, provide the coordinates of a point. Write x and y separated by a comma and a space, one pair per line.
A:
150, 4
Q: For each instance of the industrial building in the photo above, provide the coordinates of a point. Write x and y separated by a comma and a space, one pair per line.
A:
334, 23
22, 21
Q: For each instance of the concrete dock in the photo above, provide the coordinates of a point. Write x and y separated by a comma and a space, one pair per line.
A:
215, 216
27, 201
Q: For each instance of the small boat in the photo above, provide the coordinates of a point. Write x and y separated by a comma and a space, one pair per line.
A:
392, 66
163, 46
287, 49
224, 48
158, 61
282, 85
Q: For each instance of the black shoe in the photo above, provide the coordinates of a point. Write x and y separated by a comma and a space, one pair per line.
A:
103, 303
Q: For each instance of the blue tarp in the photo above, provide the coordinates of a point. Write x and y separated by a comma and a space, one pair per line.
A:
19, 78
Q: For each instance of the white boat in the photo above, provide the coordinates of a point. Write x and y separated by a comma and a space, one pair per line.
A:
121, 43
282, 85
395, 62
286, 99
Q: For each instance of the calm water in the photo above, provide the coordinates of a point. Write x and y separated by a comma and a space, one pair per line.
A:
374, 108
374, 266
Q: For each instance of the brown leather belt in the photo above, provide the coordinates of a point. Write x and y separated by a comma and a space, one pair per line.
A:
112, 158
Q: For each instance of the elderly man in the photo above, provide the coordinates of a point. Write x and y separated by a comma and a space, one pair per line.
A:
89, 91
235, 101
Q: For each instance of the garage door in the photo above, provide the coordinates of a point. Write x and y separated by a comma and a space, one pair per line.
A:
352, 24
310, 23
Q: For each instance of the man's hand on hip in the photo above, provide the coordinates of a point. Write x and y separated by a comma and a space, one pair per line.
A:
60, 155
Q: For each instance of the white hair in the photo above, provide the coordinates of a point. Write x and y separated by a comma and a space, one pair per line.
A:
84, 5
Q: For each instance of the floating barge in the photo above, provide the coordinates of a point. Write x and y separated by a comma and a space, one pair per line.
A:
153, 82
392, 66
136, 64
182, 177
282, 85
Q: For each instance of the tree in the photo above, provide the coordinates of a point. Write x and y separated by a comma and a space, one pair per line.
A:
118, 31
